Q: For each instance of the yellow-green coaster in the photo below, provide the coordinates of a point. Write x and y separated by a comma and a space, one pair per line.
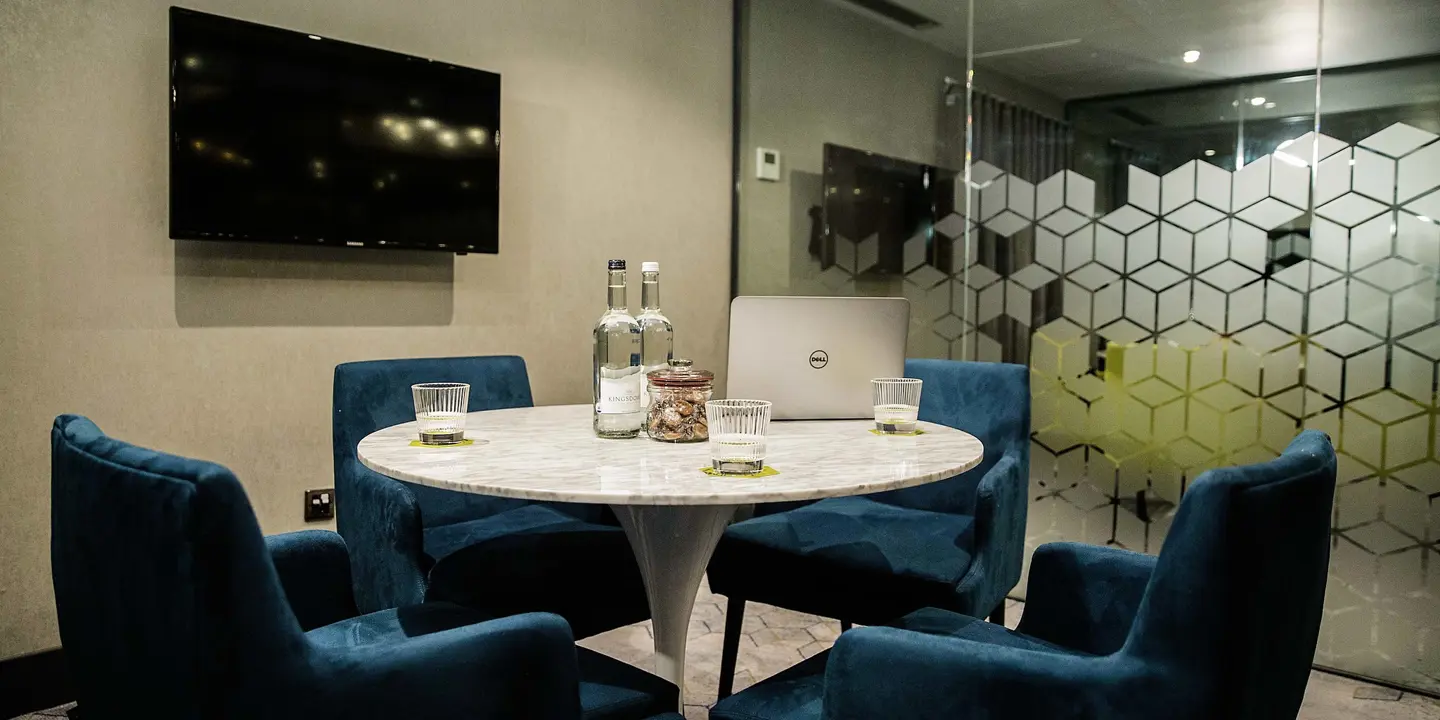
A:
767, 471
912, 433
462, 443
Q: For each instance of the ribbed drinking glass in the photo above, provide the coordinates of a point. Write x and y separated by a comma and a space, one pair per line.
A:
440, 411
897, 404
737, 435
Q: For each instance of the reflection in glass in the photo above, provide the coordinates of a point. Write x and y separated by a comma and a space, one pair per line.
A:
1198, 248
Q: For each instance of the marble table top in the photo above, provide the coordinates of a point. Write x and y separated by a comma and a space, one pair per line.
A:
551, 453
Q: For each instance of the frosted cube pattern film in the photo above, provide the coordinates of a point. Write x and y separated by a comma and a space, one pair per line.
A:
1189, 328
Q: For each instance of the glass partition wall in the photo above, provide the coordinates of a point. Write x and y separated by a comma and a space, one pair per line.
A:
1203, 227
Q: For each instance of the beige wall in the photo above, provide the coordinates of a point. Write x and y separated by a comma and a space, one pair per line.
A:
617, 144
817, 73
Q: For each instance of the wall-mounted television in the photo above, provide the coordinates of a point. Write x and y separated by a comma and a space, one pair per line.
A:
892, 200
287, 137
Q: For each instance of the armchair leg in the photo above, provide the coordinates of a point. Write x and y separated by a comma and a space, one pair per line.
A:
844, 626
997, 615
730, 650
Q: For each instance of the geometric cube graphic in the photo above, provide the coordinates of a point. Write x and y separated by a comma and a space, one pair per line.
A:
1203, 320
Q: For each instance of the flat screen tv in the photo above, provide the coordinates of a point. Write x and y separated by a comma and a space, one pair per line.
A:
286, 137
892, 200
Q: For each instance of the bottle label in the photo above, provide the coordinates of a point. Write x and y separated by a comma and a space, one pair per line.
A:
619, 395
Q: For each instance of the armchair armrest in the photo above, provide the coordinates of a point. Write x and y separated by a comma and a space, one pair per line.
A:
1085, 596
519, 666
380, 520
1000, 510
314, 571
879, 672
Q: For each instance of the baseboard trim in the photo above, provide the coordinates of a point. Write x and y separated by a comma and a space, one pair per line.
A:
1374, 681
36, 681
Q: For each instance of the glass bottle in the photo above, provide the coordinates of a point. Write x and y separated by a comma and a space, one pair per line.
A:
618, 412
656, 333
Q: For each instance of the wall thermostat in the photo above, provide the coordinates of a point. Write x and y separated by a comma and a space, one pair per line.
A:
767, 164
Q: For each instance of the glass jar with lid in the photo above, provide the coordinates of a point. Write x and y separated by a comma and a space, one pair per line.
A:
677, 403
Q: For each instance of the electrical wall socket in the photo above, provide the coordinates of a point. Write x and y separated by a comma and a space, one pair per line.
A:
320, 504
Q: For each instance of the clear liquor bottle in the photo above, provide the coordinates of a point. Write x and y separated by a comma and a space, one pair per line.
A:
618, 413
657, 344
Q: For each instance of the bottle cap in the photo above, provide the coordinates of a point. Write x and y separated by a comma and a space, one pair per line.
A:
617, 264
650, 267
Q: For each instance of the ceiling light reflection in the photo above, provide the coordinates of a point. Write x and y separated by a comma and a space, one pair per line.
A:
1257, 101
1190, 56
448, 138
477, 135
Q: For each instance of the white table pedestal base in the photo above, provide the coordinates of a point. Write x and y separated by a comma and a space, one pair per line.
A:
672, 545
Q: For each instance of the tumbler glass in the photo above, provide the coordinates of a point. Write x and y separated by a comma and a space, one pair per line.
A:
737, 435
440, 411
897, 404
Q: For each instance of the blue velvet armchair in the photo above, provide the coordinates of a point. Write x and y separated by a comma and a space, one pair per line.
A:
171, 604
1223, 624
953, 544
410, 543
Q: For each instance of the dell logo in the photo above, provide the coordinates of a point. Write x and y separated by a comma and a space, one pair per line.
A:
819, 359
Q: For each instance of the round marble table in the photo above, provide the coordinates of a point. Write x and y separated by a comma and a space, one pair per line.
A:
672, 512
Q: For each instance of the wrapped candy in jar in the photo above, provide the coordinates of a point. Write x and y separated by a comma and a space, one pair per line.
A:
677, 403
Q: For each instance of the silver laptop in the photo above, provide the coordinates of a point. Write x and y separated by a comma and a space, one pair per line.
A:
814, 357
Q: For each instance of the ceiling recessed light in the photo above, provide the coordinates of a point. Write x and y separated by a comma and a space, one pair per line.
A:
1190, 56
1209, 153
1269, 106
1257, 101
314, 37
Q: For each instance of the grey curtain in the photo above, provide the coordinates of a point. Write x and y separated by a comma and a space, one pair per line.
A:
1018, 140
1032, 147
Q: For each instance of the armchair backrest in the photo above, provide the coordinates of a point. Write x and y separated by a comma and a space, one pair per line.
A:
988, 400
376, 394
163, 586
1239, 586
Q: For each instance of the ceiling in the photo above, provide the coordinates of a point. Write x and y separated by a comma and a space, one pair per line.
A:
1293, 98
1084, 48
